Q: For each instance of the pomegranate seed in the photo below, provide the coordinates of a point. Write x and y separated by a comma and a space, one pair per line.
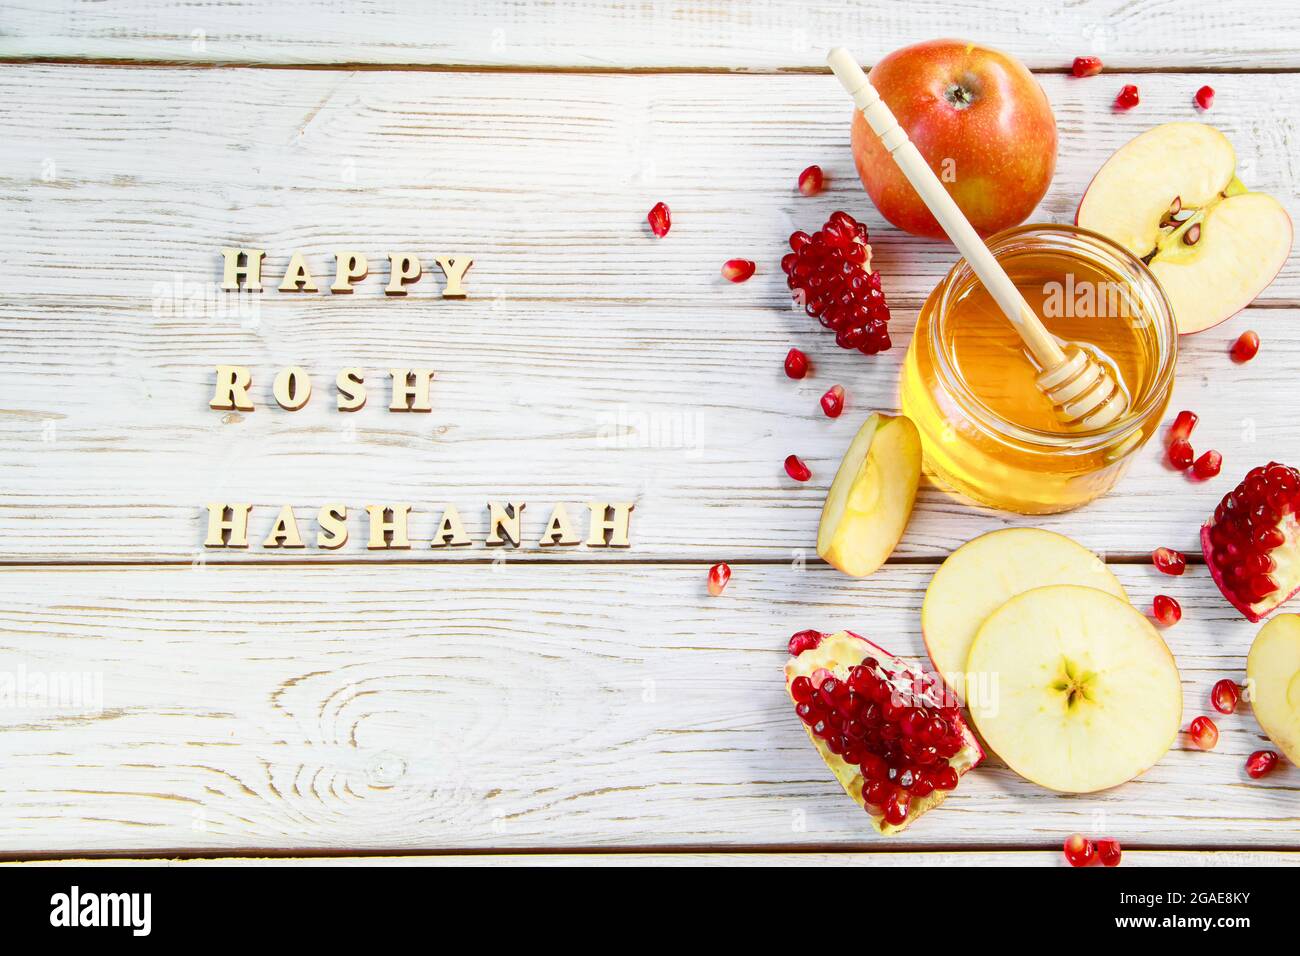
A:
1079, 850
833, 401
1183, 426
811, 180
1086, 66
1109, 852
660, 220
796, 364
719, 575
1205, 97
1128, 97
1245, 348
796, 469
1169, 561
1203, 733
1225, 695
1208, 465
1180, 453
1166, 610
896, 808
737, 270
801, 689
802, 641
1260, 763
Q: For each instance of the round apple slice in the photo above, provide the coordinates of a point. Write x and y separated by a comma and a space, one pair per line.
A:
986, 572
1273, 670
1073, 688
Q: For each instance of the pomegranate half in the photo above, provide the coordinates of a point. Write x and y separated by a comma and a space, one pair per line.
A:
1252, 542
896, 743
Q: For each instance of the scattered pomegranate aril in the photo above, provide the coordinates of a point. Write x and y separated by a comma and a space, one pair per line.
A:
1166, 610
1208, 465
719, 575
1246, 347
1109, 852
833, 401
829, 273
1224, 696
1203, 733
1183, 426
660, 220
811, 180
1261, 762
796, 364
1205, 97
1086, 66
1079, 850
737, 270
1128, 97
796, 469
1252, 541
1169, 561
1181, 454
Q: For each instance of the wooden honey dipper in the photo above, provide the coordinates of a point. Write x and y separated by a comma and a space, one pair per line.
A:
1082, 390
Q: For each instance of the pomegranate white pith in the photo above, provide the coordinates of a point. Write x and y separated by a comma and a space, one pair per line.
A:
905, 744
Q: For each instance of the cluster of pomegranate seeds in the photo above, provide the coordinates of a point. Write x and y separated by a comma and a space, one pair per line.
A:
829, 273
660, 220
1128, 97
719, 575
796, 364
1181, 454
1205, 97
1169, 561
1203, 733
796, 469
1224, 696
1260, 763
1246, 528
1166, 610
811, 180
895, 727
737, 270
1208, 465
1086, 66
833, 401
1246, 347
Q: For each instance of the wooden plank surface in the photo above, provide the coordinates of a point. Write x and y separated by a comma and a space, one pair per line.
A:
417, 708
591, 35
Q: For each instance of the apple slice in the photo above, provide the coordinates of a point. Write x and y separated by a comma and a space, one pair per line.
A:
1073, 688
1273, 671
871, 498
1171, 197
986, 572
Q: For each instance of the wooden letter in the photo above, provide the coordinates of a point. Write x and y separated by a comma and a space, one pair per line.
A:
231, 393
559, 530
292, 388
332, 520
386, 532
351, 267
504, 519
454, 268
284, 533
401, 269
411, 390
250, 271
615, 525
297, 277
219, 525
450, 530
352, 393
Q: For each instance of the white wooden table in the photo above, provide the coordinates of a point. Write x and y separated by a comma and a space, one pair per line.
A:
576, 702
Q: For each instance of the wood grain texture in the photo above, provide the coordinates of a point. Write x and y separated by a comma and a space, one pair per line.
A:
422, 708
589, 35
592, 359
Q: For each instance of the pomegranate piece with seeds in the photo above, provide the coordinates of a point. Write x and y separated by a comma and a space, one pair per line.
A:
1128, 97
1252, 541
1169, 561
830, 273
1079, 850
719, 575
1260, 763
796, 364
1181, 454
1203, 733
1246, 347
1224, 696
660, 220
1166, 610
811, 180
833, 401
895, 740
1086, 66
737, 270
796, 469
1205, 97
1183, 426
1208, 465
1109, 852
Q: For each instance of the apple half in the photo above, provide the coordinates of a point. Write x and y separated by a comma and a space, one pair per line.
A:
1076, 690
1171, 197
871, 498
1273, 672
985, 573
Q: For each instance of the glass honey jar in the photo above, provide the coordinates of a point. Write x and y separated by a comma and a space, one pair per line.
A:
969, 383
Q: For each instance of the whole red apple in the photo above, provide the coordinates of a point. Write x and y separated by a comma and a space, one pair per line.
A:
981, 121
